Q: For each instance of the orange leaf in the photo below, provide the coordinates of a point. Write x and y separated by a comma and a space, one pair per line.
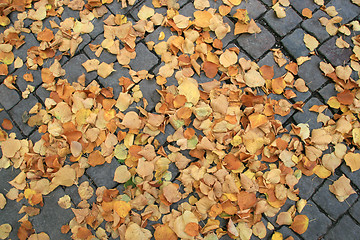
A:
164, 232
246, 200
210, 69
7, 124
232, 162
300, 224
95, 158
46, 35
257, 119
192, 229
346, 97
278, 85
307, 13
267, 72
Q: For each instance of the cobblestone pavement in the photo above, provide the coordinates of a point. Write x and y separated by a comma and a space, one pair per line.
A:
329, 218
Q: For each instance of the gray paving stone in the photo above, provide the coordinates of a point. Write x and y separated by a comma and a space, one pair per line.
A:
301, 96
148, 88
99, 24
10, 213
300, 5
20, 109
257, 44
346, 228
144, 59
113, 79
314, 27
230, 35
86, 40
154, 36
336, 56
21, 52
308, 185
52, 216
294, 43
328, 91
46, 23
74, 193
328, 202
308, 116
267, 2
105, 55
20, 80
283, 26
319, 223
268, 59
8, 97
74, 69
103, 175
4, 115
42, 93
254, 7
312, 75
68, 13
345, 8
355, 211
35, 136
287, 232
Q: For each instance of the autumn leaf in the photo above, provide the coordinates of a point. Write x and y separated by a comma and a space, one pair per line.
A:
122, 208
341, 188
300, 224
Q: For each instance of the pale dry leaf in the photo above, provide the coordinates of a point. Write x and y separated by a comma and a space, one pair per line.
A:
65, 202
331, 11
5, 230
18, 63
105, 69
228, 58
279, 11
253, 78
85, 191
310, 42
341, 188
2, 201
122, 174
340, 43
91, 65
39, 236
145, 12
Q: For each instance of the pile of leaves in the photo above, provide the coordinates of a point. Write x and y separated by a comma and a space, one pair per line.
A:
236, 162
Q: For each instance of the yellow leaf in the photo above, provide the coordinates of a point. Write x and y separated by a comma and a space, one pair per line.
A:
321, 171
202, 18
122, 208
257, 119
310, 42
190, 90
105, 69
146, 12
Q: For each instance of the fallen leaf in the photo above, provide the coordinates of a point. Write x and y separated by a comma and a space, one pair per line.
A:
341, 188
310, 42
353, 161
5, 230
122, 174
105, 69
300, 224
